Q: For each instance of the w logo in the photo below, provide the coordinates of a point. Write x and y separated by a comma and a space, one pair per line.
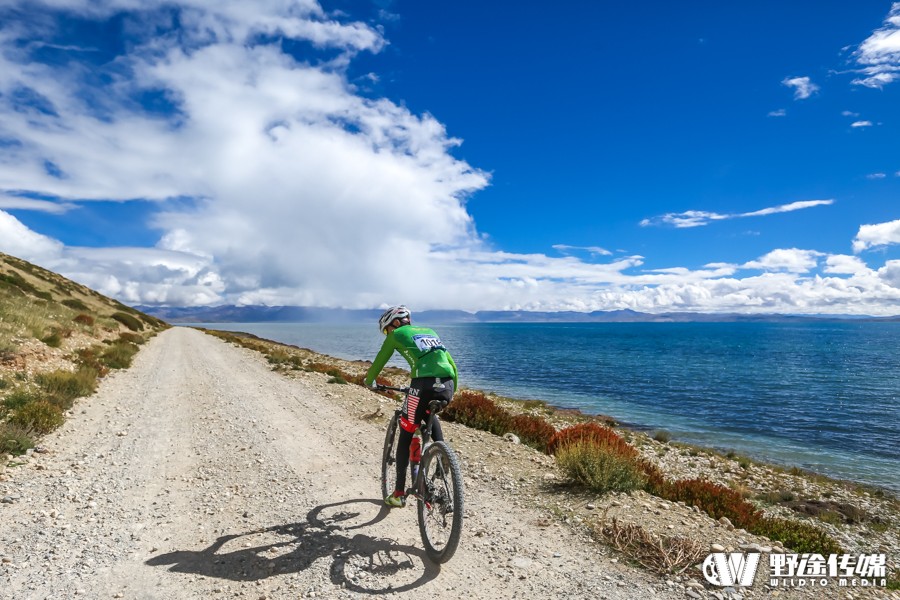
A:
731, 569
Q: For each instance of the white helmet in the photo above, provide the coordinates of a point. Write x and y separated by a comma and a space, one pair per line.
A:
395, 312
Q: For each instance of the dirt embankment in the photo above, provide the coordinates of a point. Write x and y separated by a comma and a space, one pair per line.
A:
200, 473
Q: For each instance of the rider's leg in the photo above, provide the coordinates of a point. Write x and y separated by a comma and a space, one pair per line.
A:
403, 441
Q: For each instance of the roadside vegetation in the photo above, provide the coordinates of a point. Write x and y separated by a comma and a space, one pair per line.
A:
593, 456
57, 338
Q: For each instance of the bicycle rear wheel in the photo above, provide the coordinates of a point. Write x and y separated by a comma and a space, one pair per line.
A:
440, 508
389, 457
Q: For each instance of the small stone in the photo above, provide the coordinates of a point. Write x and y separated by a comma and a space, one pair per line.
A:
511, 437
717, 548
750, 548
692, 594
590, 506
726, 523
696, 585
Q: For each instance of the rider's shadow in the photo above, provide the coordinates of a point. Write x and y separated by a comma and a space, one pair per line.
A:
361, 563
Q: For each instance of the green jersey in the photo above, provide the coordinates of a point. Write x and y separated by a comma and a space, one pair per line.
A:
422, 349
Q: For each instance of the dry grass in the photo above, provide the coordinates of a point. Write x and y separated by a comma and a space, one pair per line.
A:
660, 554
48, 322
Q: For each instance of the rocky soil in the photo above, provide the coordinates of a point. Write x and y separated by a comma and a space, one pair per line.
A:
200, 473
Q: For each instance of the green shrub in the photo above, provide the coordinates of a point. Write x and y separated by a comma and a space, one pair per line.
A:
54, 340
62, 387
15, 280
40, 416
337, 379
129, 321
14, 439
133, 338
88, 357
118, 355
74, 304
18, 399
662, 436
3, 384
282, 357
798, 536
893, 580
600, 468
44, 295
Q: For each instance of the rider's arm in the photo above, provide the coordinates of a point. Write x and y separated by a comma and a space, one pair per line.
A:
384, 355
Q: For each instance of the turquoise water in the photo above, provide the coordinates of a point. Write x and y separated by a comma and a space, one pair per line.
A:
823, 396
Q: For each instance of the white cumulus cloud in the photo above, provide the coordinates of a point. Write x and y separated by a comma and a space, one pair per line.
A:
277, 182
803, 87
791, 260
879, 234
879, 55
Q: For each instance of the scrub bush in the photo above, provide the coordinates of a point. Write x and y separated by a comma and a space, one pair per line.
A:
601, 468
129, 321
592, 433
62, 387
40, 416
14, 439
798, 536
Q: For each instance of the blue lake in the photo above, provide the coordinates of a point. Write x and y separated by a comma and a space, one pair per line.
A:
823, 396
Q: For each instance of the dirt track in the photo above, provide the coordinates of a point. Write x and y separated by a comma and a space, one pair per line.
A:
199, 473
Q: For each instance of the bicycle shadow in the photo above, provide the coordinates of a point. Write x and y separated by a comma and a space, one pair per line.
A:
361, 563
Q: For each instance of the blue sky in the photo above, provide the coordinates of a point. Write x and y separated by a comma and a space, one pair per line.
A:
587, 156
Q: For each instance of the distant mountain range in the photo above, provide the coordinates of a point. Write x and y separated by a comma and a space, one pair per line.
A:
304, 314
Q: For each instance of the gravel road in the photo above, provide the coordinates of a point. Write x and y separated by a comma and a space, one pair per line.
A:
200, 473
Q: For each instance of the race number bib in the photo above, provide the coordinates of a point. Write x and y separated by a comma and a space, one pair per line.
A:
427, 342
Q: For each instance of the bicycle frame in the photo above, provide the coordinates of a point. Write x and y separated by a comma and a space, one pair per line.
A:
437, 485
418, 485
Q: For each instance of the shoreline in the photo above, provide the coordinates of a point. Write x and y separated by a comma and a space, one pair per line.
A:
574, 414
800, 510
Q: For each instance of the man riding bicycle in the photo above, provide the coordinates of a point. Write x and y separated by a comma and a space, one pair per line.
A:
434, 377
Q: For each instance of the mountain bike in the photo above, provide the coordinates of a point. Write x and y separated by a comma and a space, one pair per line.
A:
437, 484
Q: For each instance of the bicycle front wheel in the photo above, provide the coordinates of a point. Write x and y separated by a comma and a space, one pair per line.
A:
440, 507
389, 457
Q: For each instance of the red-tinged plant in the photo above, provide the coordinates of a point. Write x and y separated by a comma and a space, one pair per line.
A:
83, 319
656, 484
592, 433
715, 500
532, 431
474, 409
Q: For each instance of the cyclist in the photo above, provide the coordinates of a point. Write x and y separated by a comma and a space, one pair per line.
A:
434, 377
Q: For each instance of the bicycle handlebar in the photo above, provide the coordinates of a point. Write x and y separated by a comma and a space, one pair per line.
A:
383, 388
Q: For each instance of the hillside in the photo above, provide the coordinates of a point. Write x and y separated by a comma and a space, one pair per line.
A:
57, 338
